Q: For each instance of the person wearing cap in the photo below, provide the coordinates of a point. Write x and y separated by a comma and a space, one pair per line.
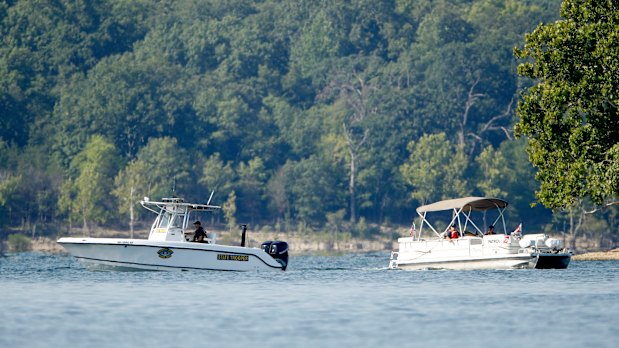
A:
199, 234
490, 230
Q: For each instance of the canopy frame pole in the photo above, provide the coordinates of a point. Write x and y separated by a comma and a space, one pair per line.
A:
423, 219
471, 221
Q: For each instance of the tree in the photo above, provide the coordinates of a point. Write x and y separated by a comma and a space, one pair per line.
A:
313, 189
85, 195
217, 176
229, 208
491, 164
506, 173
570, 114
435, 169
124, 98
160, 169
355, 93
29, 186
251, 185
44, 43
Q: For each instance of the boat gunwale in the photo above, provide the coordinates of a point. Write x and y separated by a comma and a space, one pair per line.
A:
171, 247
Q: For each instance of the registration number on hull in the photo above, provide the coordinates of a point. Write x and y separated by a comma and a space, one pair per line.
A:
228, 257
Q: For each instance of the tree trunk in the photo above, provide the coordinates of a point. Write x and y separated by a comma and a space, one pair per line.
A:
85, 226
131, 218
575, 227
352, 188
84, 223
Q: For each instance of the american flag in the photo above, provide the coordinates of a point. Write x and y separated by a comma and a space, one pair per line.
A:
412, 231
518, 229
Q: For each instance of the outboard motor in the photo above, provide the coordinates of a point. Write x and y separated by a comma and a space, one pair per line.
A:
278, 250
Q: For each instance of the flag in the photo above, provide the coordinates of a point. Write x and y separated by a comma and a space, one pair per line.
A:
412, 231
518, 229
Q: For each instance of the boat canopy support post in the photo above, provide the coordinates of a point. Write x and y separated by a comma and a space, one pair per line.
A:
423, 219
244, 227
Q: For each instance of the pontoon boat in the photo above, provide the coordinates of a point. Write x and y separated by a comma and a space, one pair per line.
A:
472, 249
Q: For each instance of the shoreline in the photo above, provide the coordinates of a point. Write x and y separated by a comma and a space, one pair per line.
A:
327, 248
297, 244
610, 255
300, 243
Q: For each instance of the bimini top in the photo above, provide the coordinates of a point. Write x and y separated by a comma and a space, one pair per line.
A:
466, 204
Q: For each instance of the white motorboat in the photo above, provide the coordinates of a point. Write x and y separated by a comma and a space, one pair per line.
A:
471, 248
169, 246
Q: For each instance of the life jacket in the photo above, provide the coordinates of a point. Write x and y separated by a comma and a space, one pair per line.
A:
454, 235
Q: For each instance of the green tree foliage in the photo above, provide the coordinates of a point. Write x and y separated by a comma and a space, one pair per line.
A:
29, 185
44, 43
302, 110
251, 184
229, 208
217, 176
491, 164
570, 114
123, 99
505, 172
160, 169
307, 189
85, 195
435, 169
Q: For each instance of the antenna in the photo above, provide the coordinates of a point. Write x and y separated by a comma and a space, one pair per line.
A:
211, 197
174, 186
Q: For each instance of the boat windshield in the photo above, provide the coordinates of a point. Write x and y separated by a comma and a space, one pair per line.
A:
177, 222
164, 219
170, 220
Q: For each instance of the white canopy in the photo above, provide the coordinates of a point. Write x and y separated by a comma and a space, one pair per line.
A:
466, 204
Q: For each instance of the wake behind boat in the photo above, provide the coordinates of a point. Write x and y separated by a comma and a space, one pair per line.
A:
169, 246
472, 248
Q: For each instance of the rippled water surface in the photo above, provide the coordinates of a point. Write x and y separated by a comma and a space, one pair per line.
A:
336, 301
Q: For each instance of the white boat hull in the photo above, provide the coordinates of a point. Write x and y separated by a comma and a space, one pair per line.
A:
136, 254
490, 252
504, 262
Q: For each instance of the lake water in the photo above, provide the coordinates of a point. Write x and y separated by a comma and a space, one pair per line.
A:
335, 301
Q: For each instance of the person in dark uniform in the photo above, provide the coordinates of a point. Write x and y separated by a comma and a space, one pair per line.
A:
490, 230
199, 234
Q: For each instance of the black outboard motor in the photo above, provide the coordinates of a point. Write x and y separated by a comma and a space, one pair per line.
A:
278, 250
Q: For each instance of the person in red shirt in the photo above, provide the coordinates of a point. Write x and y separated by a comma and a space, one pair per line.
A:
452, 233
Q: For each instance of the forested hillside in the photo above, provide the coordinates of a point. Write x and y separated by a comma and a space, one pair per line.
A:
302, 114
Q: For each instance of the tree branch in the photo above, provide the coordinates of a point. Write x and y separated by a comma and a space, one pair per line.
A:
600, 208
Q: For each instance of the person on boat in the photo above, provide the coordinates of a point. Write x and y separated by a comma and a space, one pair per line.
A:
452, 233
490, 230
199, 234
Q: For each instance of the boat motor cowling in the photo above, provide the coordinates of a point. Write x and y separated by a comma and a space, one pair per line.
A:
278, 250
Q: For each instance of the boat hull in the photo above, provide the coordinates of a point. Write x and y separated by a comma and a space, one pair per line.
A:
507, 262
132, 254
553, 261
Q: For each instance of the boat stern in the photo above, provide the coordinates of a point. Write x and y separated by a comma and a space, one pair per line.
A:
278, 250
